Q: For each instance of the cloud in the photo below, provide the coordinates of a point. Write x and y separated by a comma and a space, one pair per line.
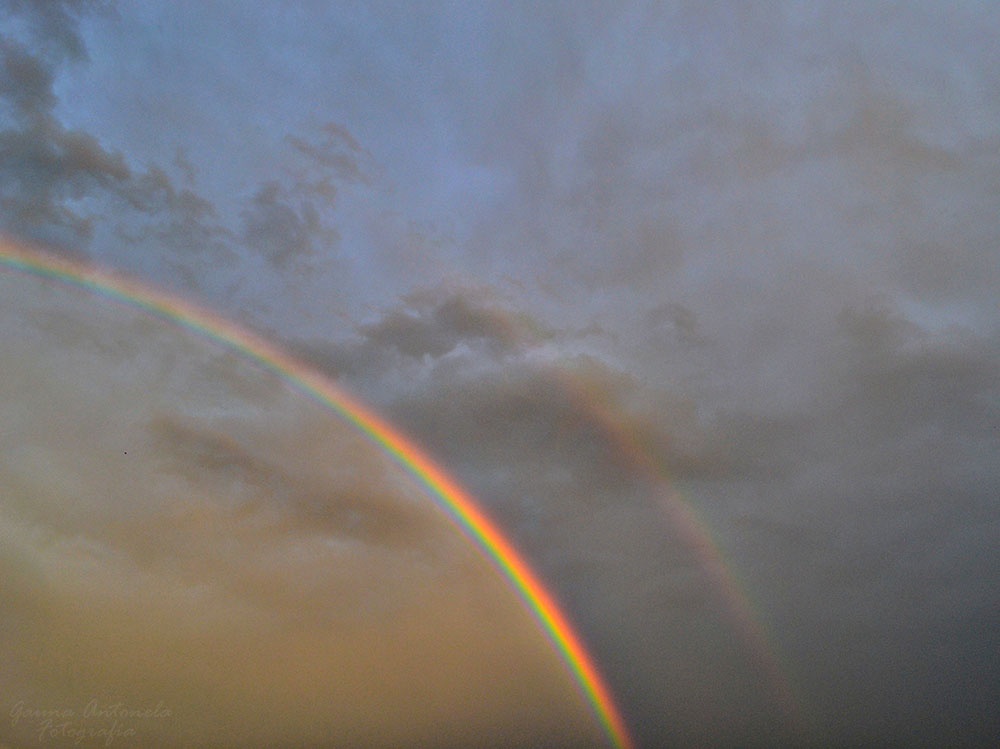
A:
873, 490
842, 481
433, 322
53, 27
26, 83
336, 152
44, 168
279, 232
61, 187
437, 327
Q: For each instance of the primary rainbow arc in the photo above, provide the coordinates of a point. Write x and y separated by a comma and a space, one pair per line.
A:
457, 504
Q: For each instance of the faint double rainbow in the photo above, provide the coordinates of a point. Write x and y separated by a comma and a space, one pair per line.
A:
457, 504
695, 532
627, 444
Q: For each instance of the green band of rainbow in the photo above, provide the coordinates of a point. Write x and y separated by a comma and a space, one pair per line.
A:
455, 501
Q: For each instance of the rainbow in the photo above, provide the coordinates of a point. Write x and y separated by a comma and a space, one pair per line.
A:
457, 504
696, 534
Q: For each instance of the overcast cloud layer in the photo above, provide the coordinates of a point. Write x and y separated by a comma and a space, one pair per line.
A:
602, 259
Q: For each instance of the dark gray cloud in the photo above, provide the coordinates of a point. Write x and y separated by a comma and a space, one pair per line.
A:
53, 27
44, 167
27, 83
335, 151
845, 484
277, 231
430, 330
434, 322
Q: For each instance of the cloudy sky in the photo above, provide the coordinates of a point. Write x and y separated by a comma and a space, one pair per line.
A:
698, 299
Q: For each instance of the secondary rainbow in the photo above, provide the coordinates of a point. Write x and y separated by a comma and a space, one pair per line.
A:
457, 504
696, 534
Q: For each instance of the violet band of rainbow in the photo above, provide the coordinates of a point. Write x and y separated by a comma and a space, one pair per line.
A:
456, 503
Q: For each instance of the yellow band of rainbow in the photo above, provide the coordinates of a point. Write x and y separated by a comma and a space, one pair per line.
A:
457, 504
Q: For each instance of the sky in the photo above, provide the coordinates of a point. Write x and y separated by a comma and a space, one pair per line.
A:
697, 299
